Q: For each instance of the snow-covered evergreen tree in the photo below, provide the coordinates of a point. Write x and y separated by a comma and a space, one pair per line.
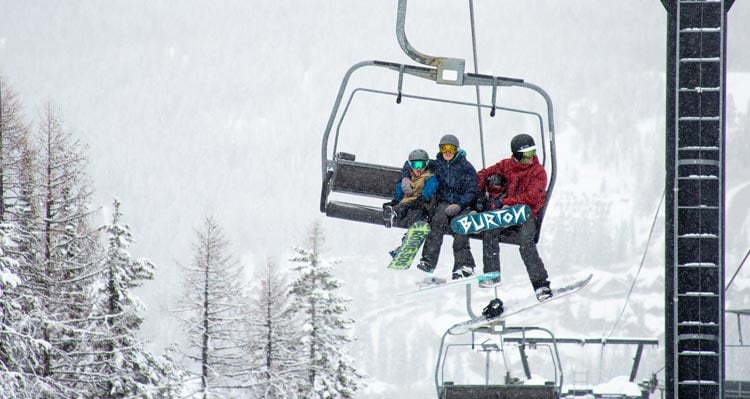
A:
120, 366
330, 372
211, 313
64, 254
18, 349
274, 339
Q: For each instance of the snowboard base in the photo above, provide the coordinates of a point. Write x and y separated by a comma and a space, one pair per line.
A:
413, 240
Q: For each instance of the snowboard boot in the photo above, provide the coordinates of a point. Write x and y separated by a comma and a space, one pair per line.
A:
425, 266
543, 293
463, 272
394, 251
490, 282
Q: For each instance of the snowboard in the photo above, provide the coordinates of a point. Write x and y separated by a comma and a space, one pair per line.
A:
433, 283
478, 222
518, 306
413, 239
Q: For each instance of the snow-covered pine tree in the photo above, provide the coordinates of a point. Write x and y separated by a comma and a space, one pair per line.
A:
330, 372
211, 313
18, 349
274, 363
121, 366
64, 254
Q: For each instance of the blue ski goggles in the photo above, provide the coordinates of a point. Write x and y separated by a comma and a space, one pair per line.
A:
418, 164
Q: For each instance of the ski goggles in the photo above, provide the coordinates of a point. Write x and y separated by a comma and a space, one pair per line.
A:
528, 154
417, 164
449, 148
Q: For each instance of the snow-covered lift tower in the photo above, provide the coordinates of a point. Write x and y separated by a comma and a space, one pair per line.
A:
695, 181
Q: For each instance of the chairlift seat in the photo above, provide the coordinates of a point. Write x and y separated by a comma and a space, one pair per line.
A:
359, 179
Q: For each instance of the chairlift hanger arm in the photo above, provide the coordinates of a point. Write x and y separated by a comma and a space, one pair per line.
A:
449, 70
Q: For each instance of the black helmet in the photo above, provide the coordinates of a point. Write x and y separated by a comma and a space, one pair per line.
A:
419, 155
521, 143
449, 139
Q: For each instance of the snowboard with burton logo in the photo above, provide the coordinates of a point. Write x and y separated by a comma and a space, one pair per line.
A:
490, 220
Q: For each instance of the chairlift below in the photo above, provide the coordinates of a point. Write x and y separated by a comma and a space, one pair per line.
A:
353, 190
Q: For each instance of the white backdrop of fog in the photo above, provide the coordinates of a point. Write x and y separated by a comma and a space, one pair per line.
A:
200, 108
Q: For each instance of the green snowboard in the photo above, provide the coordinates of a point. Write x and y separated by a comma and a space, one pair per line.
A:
413, 239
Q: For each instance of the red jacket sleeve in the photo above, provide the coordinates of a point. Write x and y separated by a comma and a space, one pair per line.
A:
533, 194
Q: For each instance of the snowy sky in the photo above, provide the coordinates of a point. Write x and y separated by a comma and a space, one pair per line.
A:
198, 108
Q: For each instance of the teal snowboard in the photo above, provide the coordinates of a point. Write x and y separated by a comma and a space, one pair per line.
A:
490, 220
413, 240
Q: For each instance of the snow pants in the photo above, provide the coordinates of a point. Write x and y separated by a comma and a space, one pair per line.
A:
411, 211
523, 236
439, 226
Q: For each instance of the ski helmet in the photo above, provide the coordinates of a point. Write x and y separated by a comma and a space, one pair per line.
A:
449, 139
419, 155
520, 144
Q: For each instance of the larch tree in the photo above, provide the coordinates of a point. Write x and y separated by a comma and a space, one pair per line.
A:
17, 347
65, 254
275, 366
13, 132
211, 314
330, 371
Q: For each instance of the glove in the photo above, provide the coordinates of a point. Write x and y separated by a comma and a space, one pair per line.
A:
497, 202
496, 181
452, 209
406, 187
481, 204
390, 203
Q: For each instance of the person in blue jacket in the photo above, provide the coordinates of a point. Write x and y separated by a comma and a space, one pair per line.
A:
414, 190
455, 195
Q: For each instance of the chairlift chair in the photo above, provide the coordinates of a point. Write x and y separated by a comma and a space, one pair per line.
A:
343, 173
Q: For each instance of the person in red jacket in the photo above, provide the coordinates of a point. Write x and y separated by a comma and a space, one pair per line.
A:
525, 183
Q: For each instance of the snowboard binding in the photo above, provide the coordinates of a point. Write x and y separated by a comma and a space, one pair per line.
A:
493, 309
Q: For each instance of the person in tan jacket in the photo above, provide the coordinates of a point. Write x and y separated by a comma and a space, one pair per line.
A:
413, 192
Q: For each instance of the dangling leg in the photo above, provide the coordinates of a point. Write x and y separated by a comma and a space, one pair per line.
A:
463, 260
534, 264
431, 250
490, 257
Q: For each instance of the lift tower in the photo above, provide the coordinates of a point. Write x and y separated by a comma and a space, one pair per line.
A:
695, 181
